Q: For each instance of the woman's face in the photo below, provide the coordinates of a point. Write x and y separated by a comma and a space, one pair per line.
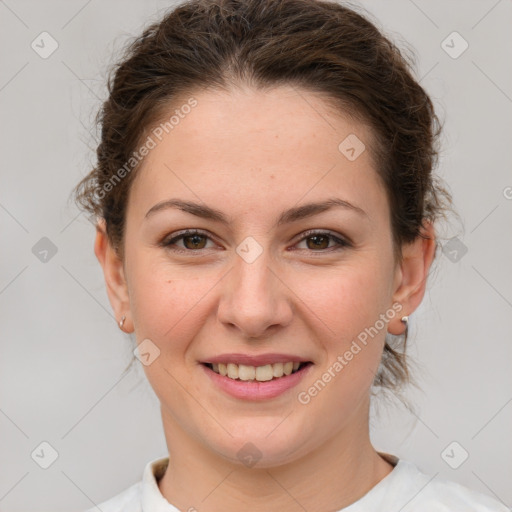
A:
292, 263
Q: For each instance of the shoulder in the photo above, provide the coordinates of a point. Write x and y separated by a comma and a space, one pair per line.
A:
422, 493
449, 496
128, 500
141, 496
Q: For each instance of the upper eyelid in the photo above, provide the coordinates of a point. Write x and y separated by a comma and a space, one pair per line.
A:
188, 232
303, 236
312, 232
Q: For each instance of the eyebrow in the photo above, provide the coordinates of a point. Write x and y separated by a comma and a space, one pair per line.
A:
292, 215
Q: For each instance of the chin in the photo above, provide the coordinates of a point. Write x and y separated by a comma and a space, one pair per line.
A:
261, 444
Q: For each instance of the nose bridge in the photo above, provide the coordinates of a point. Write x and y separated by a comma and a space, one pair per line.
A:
254, 278
254, 299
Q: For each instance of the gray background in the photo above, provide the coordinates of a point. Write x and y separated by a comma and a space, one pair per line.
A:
62, 354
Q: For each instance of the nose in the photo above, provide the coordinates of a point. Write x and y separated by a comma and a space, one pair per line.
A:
254, 300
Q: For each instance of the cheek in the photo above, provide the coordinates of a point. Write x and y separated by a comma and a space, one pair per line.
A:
349, 298
170, 310
166, 301
350, 303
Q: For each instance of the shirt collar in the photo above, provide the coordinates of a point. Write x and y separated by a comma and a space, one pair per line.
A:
153, 501
151, 497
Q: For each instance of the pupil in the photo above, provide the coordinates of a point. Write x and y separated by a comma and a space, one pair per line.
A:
317, 242
194, 241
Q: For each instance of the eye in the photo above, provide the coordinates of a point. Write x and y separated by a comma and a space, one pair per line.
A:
321, 240
192, 240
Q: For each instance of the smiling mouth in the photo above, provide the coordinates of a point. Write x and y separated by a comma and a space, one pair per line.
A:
263, 373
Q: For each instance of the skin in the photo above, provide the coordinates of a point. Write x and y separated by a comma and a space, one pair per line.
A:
253, 155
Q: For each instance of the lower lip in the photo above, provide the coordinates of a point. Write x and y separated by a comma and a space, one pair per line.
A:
254, 390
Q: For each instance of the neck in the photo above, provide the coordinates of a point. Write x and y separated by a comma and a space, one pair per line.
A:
333, 476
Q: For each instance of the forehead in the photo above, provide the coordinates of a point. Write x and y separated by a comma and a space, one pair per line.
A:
261, 147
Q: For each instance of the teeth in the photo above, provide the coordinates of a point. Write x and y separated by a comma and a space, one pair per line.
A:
278, 369
259, 373
264, 373
232, 371
246, 372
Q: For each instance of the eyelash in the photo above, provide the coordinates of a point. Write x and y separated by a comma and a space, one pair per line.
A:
341, 243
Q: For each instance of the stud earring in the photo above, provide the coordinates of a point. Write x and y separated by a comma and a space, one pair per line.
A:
121, 322
405, 320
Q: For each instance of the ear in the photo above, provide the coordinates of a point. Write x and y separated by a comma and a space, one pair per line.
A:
411, 275
113, 271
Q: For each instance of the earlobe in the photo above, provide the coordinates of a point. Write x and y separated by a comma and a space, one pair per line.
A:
113, 272
411, 275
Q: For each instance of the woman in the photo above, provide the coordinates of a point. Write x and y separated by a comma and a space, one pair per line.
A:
266, 216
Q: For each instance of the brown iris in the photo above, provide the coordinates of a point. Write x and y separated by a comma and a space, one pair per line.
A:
194, 241
319, 242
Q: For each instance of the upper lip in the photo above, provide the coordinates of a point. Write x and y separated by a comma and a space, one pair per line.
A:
257, 360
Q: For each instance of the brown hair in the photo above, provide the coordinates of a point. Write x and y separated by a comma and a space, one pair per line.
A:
320, 46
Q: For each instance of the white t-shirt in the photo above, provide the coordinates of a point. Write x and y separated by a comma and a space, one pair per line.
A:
405, 489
